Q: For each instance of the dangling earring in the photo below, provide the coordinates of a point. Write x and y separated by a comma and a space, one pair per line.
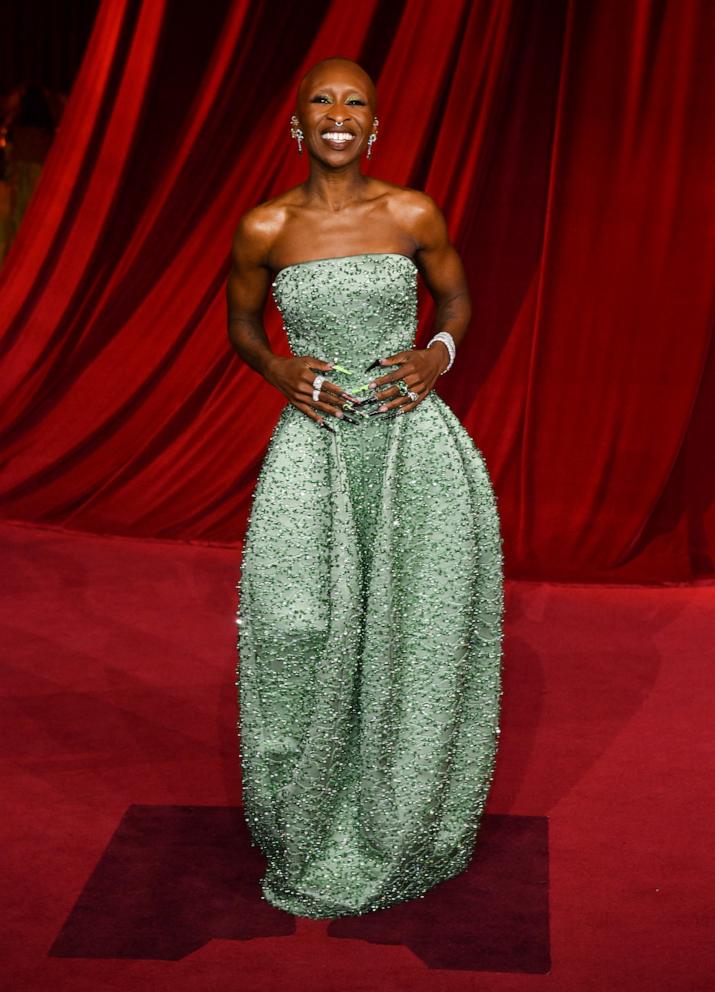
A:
295, 132
372, 138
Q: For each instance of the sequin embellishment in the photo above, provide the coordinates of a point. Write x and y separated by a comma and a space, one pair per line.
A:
370, 621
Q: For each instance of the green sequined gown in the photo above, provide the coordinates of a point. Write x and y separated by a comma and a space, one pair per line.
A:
370, 620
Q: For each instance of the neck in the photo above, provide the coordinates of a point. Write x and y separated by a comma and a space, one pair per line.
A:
334, 188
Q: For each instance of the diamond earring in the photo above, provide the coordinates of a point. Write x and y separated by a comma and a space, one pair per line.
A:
295, 132
372, 138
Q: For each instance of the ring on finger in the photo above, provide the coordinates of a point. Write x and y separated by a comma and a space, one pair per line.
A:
413, 395
403, 387
317, 383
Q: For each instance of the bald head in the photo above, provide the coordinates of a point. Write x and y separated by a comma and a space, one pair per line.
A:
337, 71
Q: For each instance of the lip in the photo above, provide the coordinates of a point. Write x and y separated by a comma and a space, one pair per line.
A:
338, 127
336, 142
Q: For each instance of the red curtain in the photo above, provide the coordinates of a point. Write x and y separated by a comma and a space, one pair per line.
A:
43, 42
572, 148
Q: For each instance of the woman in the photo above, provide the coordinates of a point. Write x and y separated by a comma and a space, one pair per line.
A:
371, 579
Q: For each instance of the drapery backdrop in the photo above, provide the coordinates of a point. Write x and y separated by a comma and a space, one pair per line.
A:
572, 148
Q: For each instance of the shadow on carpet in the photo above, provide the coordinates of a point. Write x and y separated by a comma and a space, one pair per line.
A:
172, 878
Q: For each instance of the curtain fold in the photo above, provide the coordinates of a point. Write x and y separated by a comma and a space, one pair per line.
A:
571, 146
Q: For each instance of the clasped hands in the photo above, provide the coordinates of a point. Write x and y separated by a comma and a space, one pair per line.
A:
419, 368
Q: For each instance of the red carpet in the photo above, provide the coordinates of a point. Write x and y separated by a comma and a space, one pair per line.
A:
127, 865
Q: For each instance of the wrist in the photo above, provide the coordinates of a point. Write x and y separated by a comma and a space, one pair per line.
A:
269, 366
442, 354
445, 338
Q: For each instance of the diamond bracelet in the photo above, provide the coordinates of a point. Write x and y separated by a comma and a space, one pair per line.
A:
446, 338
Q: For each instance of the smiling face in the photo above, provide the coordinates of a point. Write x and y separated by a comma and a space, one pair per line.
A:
336, 108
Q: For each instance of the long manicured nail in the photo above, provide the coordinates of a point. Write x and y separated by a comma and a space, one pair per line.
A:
321, 423
374, 364
350, 420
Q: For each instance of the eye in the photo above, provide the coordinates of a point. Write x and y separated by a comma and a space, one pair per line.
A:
355, 99
318, 99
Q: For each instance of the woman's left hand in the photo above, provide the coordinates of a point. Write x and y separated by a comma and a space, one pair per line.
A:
419, 369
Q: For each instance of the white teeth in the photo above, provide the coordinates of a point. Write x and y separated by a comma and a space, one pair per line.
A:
339, 136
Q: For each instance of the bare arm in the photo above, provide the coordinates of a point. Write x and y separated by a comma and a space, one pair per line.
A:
246, 292
442, 271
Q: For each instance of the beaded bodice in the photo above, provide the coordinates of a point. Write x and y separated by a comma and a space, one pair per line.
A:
349, 308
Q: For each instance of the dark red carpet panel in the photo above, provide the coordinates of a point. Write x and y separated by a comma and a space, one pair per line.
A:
127, 864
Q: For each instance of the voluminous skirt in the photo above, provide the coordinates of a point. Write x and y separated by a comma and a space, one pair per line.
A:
370, 630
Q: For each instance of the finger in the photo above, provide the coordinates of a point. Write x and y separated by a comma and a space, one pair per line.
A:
317, 363
413, 403
412, 381
336, 390
326, 397
308, 411
398, 358
316, 416
407, 373
325, 387
330, 408
307, 381
404, 403
398, 401
387, 394
392, 376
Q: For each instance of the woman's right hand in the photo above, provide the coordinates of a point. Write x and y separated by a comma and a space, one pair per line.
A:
294, 377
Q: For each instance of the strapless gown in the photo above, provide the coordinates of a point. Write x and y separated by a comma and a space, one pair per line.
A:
370, 620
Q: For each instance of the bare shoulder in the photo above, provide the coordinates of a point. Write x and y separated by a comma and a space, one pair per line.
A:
420, 215
254, 235
435, 255
259, 227
415, 200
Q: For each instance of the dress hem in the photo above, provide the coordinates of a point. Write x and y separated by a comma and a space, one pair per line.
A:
308, 908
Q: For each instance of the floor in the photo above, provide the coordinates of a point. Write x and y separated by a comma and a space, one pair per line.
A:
125, 859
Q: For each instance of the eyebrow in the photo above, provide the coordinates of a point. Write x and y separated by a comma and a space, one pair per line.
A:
326, 90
